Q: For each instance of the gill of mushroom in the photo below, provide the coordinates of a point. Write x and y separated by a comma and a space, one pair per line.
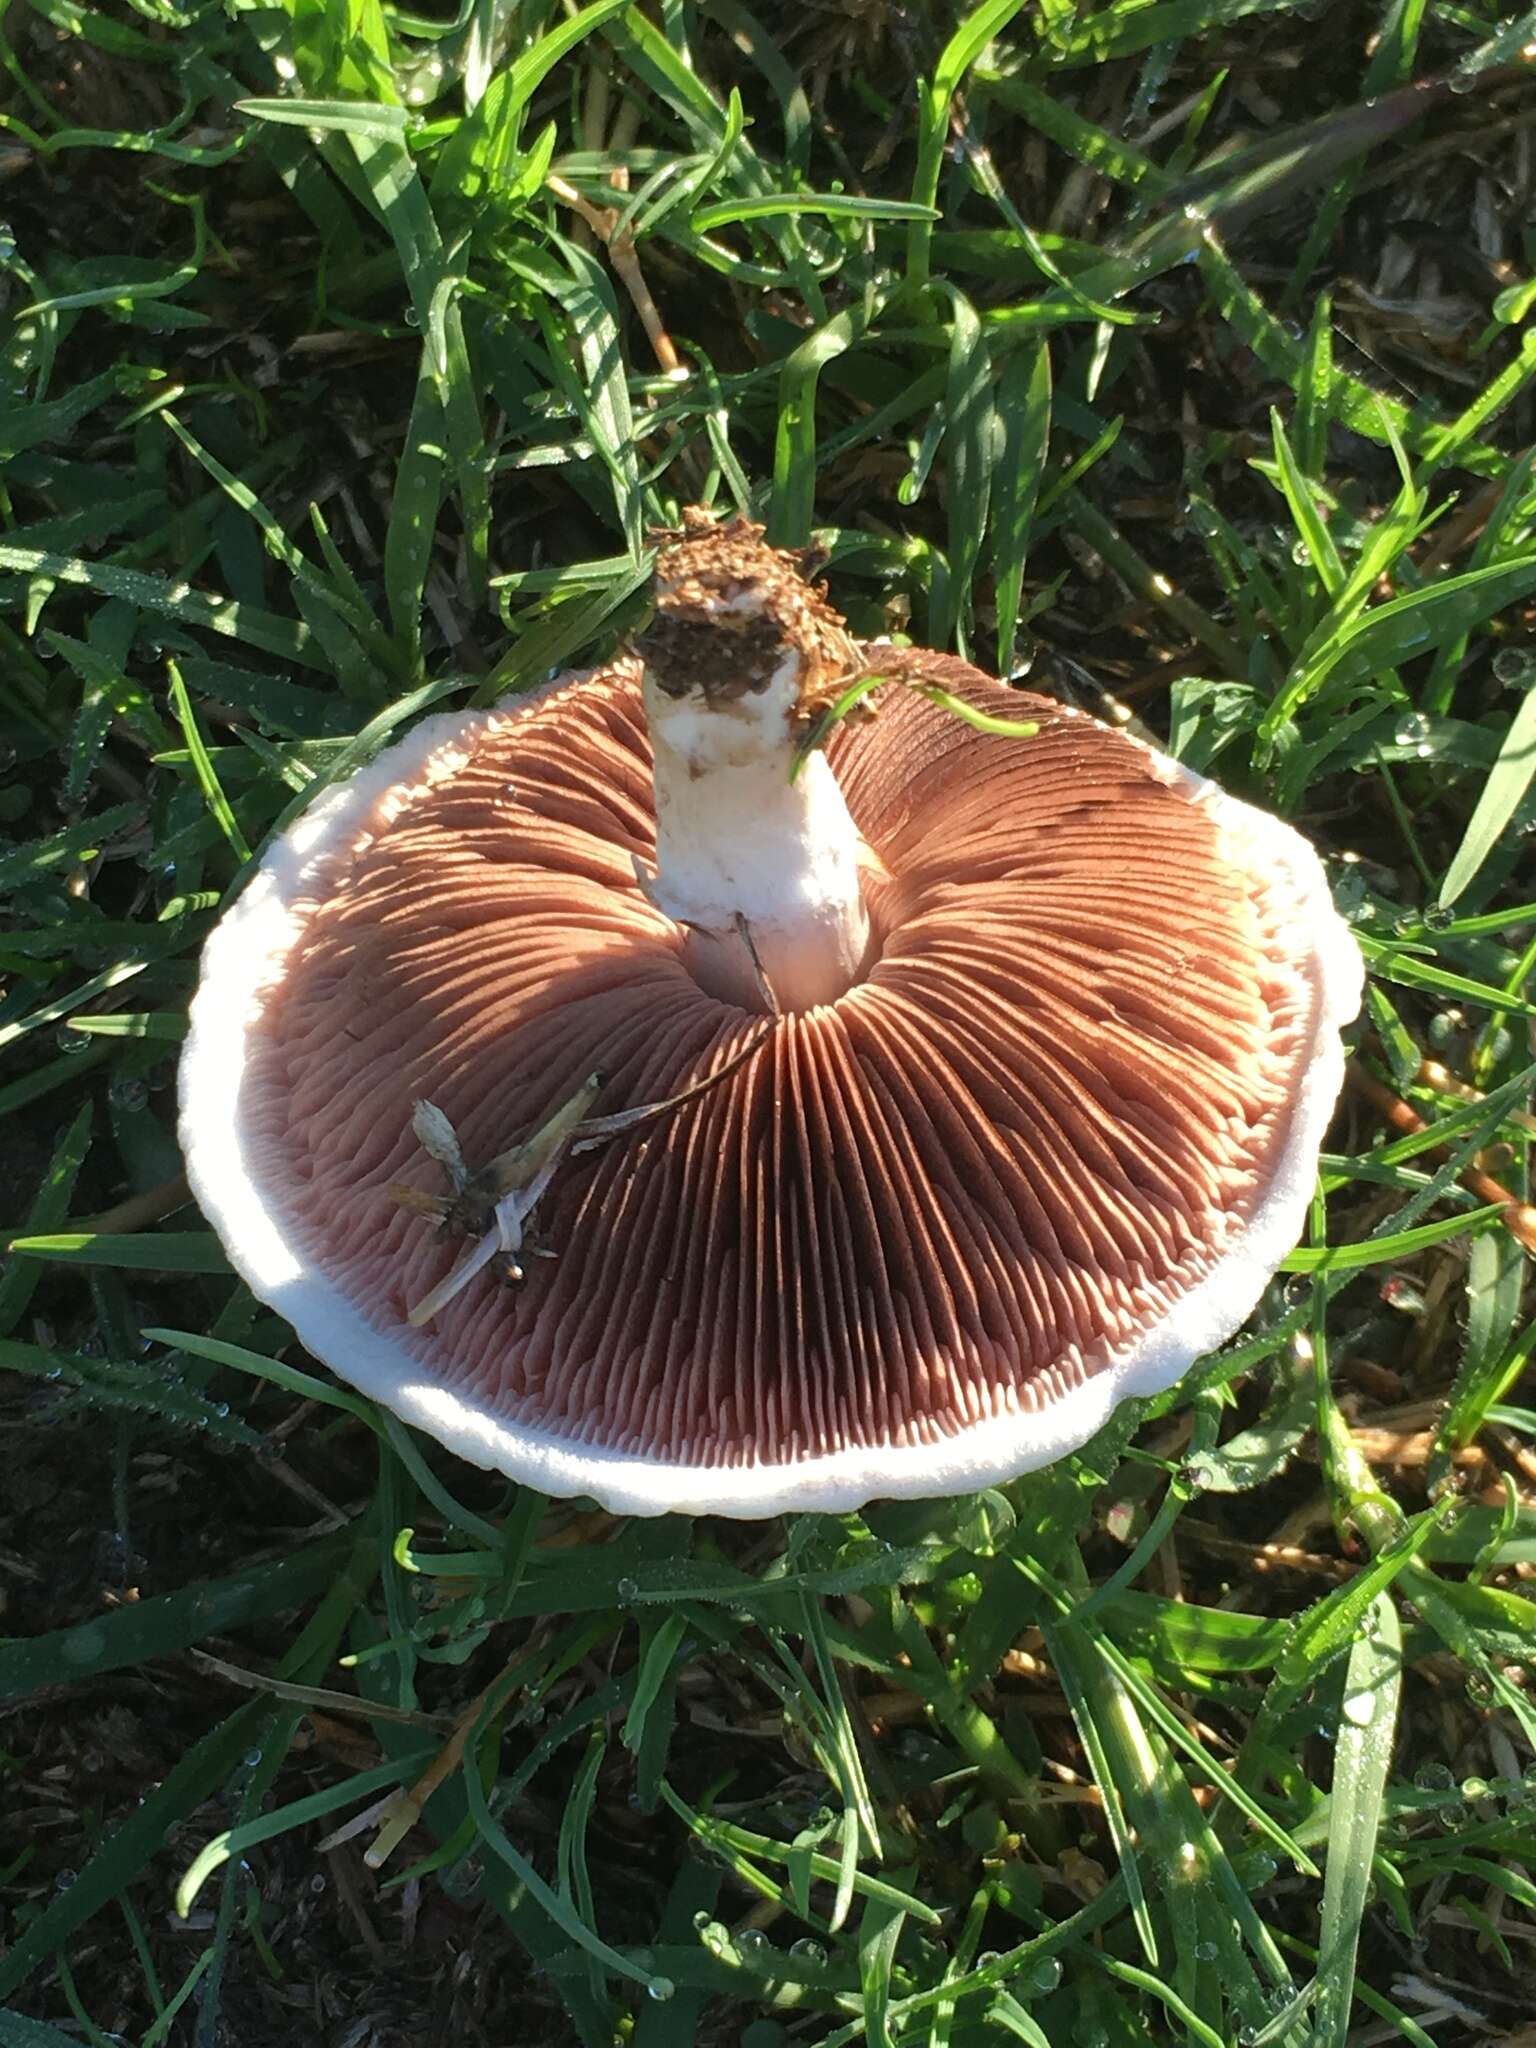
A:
761, 868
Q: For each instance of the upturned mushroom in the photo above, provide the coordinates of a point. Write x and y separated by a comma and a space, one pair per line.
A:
651, 1121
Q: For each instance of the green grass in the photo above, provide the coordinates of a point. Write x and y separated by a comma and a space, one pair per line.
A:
1174, 353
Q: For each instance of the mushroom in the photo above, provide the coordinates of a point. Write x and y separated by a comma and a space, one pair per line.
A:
955, 1086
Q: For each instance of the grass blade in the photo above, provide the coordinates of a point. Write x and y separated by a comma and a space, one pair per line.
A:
1024, 408
1502, 793
1362, 1761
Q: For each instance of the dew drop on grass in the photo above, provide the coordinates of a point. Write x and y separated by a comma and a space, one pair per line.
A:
1515, 666
1403, 1294
1474, 1788
1046, 1974
807, 1951
701, 1920
128, 1093
69, 1040
317, 1883
1413, 733
752, 1942
661, 1989
1498, 1045
1206, 1951
626, 1589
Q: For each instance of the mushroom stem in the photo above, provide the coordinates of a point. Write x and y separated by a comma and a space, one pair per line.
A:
761, 868
738, 843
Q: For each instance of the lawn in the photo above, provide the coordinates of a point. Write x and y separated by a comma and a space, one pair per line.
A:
1173, 356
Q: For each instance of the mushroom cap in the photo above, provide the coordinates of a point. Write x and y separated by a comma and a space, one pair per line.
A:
922, 1239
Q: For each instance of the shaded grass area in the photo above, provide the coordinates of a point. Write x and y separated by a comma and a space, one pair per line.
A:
1175, 355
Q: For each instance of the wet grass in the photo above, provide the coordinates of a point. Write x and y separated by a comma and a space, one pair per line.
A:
1173, 355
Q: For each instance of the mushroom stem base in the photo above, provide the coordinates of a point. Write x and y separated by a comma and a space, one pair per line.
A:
765, 874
